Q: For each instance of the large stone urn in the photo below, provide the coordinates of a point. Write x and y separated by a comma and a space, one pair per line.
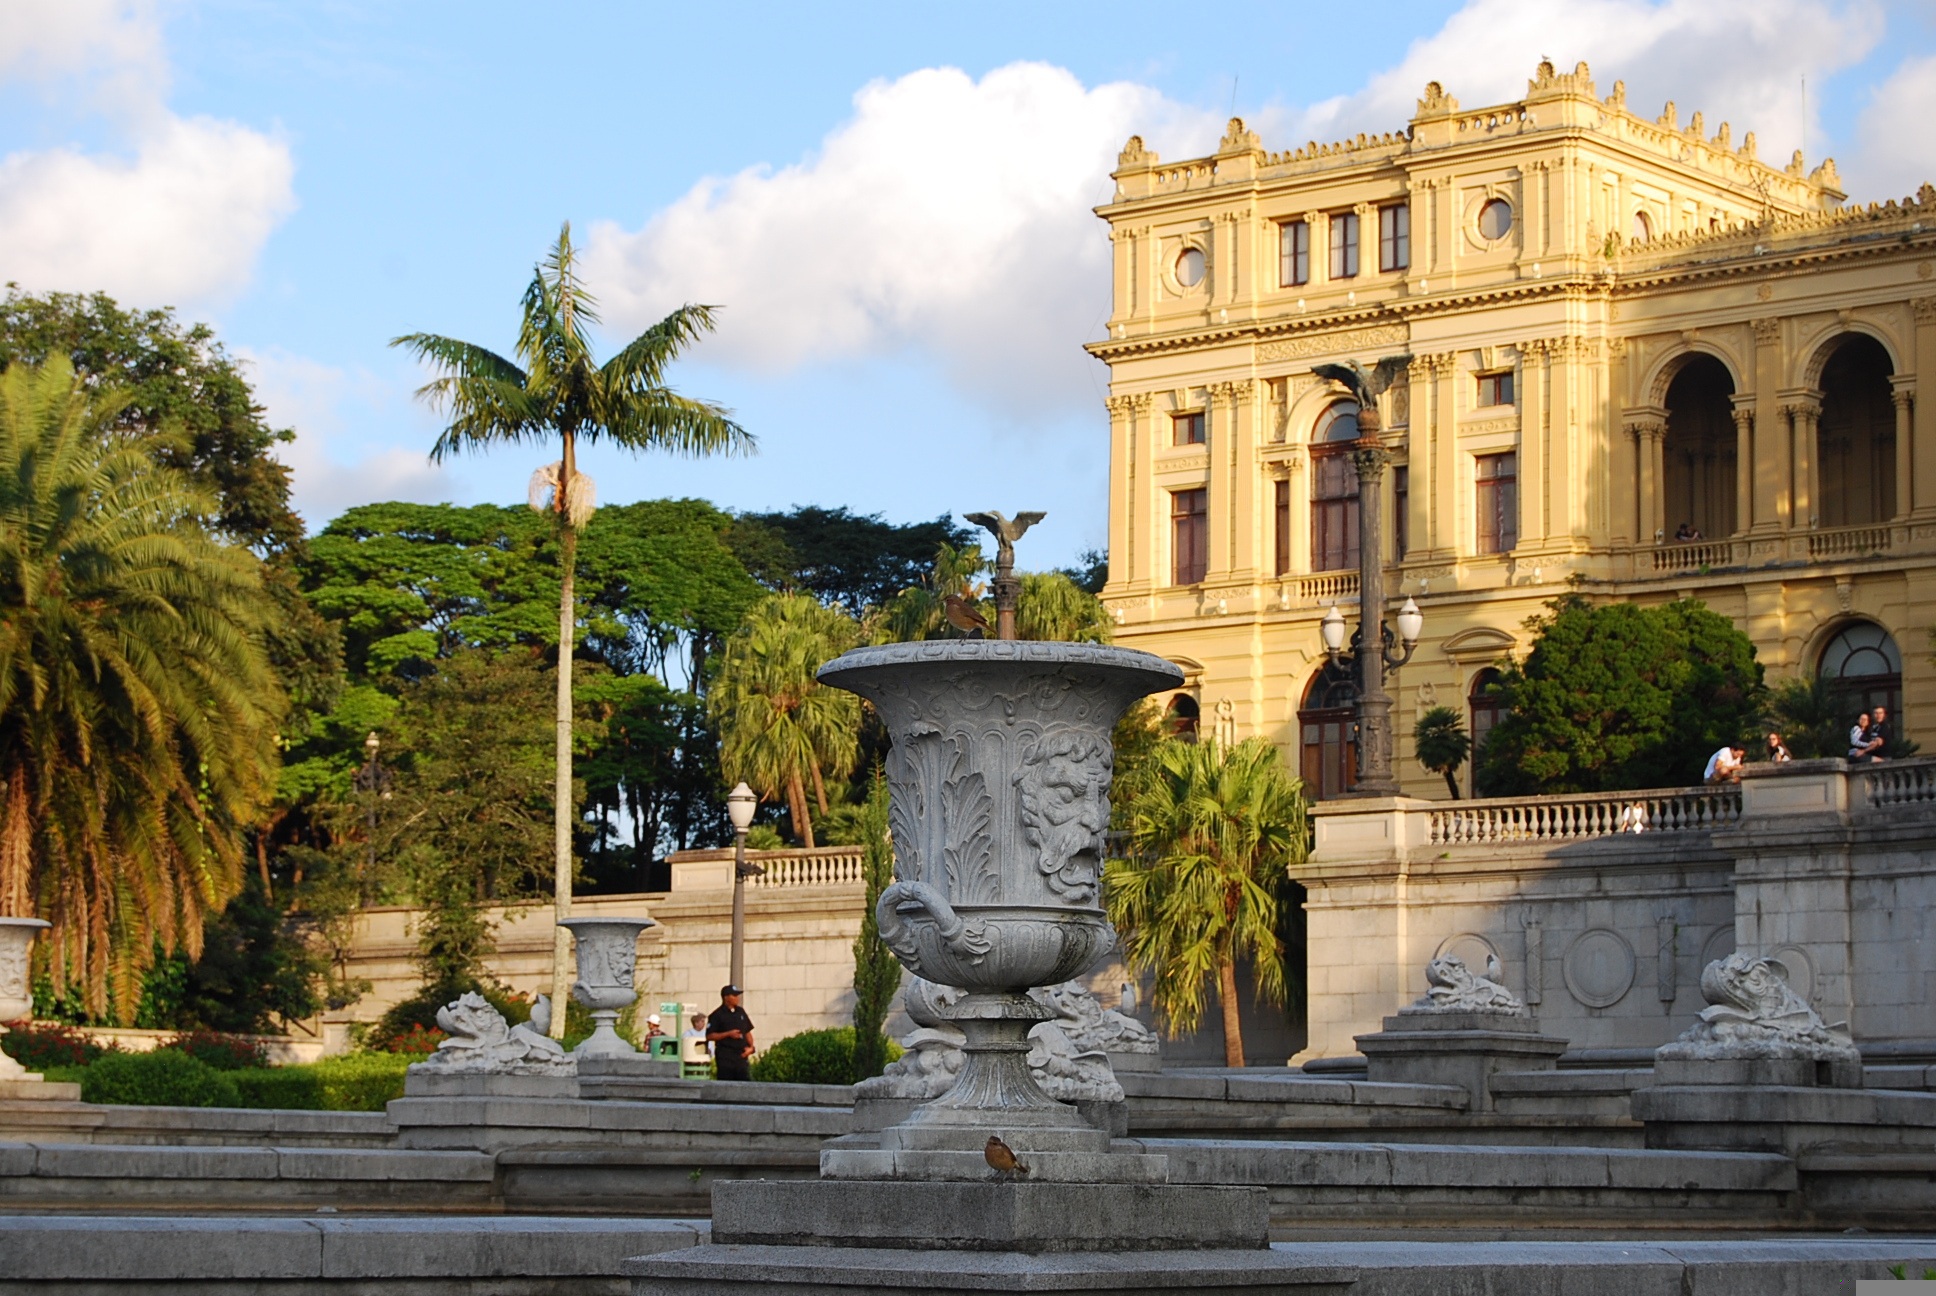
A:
16, 989
999, 780
608, 952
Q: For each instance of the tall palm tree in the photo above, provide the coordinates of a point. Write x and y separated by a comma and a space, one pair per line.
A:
138, 710
918, 612
1441, 743
558, 391
779, 727
1213, 832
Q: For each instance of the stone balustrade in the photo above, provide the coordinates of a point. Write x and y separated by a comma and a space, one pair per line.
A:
1602, 909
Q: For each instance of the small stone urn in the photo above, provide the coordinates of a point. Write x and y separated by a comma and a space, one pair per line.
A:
16, 991
608, 951
999, 783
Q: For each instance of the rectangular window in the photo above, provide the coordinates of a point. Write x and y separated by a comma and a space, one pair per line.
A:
1186, 429
1189, 536
1293, 254
1394, 237
1497, 502
1283, 516
1401, 505
1334, 512
1344, 245
1496, 388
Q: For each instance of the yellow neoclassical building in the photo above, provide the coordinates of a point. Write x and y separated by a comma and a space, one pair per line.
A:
1645, 361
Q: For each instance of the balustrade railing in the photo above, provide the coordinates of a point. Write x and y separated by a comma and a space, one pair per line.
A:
1327, 586
822, 867
1844, 542
1592, 814
1682, 556
1895, 783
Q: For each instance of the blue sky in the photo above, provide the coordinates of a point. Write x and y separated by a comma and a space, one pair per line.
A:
891, 201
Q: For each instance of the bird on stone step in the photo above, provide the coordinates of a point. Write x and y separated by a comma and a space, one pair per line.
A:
1002, 1157
963, 616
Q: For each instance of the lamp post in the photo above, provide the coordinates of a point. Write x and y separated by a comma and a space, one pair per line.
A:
1372, 648
740, 804
372, 780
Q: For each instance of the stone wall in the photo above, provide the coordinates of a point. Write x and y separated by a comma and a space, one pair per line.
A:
1602, 910
801, 921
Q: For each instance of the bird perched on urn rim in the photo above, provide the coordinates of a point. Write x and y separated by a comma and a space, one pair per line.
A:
963, 616
1002, 1157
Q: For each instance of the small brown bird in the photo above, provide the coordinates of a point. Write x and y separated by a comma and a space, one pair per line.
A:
963, 616
1001, 1156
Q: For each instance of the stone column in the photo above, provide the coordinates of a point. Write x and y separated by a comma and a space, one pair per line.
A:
1922, 455
1648, 427
1535, 436
1903, 392
1744, 440
1805, 511
1122, 510
1772, 469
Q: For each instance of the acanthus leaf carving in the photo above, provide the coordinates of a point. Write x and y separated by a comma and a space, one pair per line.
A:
969, 812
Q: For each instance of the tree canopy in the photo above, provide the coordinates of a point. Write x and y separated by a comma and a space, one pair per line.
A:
1616, 696
850, 560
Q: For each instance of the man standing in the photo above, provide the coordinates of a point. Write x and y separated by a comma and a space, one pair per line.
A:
730, 1031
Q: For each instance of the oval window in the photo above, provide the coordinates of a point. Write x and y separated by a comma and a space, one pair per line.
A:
1189, 267
1495, 219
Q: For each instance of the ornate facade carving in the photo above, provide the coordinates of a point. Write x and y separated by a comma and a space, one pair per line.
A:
1767, 332
1753, 1012
1343, 343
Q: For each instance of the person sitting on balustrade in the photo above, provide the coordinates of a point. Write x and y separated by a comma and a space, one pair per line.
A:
1724, 766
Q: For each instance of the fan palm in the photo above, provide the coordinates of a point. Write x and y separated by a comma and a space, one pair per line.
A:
557, 390
1441, 743
138, 711
1213, 833
779, 727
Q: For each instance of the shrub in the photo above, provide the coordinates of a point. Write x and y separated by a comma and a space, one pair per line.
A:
163, 1078
814, 1057
291, 1088
39, 1045
220, 1050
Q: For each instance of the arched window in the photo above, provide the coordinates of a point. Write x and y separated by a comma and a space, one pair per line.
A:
1183, 716
1643, 229
1334, 490
1864, 663
1856, 439
1487, 710
1698, 456
1327, 725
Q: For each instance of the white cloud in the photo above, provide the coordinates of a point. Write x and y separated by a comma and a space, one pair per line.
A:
948, 215
312, 397
1898, 150
1740, 61
179, 217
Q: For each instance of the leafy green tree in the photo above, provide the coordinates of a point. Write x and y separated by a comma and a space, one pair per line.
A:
920, 611
187, 403
256, 966
780, 728
1213, 833
560, 391
1812, 717
1441, 743
1051, 606
138, 710
1091, 572
852, 561
877, 973
1619, 696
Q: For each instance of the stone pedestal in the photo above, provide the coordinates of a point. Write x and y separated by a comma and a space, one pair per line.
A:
32, 1087
1458, 1048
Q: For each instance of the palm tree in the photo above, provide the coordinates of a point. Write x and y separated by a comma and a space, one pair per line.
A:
1441, 743
1053, 607
561, 392
1213, 833
779, 727
917, 612
138, 710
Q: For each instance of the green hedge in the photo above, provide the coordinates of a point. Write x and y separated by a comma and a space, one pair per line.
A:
163, 1078
814, 1057
352, 1082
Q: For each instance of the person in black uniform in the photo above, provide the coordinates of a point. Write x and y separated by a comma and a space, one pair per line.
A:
730, 1031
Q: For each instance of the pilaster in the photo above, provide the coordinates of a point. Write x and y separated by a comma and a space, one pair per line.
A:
1122, 516
1803, 410
1923, 418
1647, 427
1773, 469
1535, 434
1744, 466
1903, 393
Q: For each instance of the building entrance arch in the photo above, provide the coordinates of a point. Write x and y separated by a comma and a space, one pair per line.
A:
1864, 667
